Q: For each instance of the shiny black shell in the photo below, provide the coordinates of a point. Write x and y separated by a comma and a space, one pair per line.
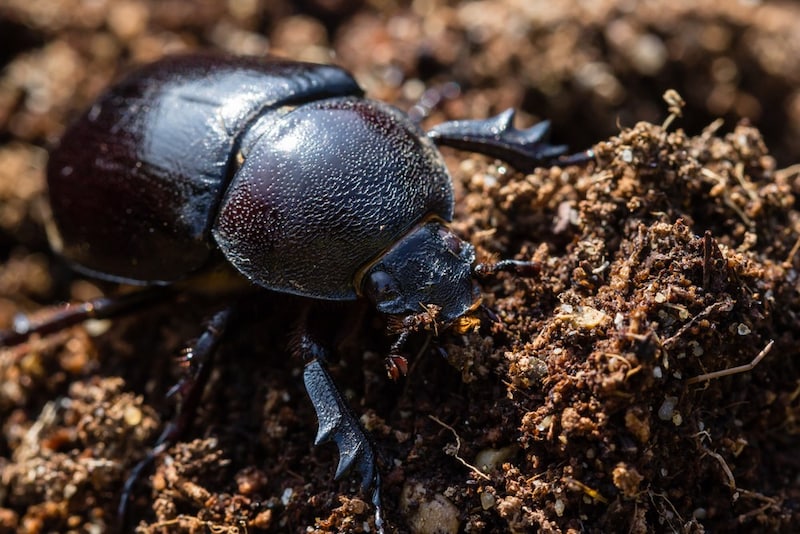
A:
282, 166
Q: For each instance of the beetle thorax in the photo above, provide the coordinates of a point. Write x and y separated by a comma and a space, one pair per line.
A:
323, 189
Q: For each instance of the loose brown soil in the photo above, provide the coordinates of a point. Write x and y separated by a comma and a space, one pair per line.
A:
608, 397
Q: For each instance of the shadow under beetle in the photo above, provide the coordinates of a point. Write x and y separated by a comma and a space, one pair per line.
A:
285, 175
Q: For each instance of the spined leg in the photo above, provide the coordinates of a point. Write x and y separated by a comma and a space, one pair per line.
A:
338, 423
188, 392
523, 149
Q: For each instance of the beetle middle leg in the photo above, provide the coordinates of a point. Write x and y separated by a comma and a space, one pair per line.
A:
336, 419
188, 392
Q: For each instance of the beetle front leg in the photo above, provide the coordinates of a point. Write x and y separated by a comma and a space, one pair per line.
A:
523, 149
338, 423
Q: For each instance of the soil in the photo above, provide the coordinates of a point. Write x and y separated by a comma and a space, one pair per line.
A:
646, 379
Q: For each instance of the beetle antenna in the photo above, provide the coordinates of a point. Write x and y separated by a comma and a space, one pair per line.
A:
525, 269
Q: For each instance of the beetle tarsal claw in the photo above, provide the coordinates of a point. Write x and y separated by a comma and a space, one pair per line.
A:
396, 366
337, 423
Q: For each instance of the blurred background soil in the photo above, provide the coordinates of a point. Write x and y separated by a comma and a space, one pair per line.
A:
591, 406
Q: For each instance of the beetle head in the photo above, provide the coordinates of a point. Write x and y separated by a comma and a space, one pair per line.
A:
429, 267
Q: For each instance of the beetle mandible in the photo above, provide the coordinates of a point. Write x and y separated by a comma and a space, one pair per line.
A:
283, 171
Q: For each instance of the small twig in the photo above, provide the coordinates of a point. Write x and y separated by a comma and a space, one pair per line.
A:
721, 180
788, 261
752, 513
733, 370
738, 173
458, 448
708, 243
769, 502
787, 173
675, 105
723, 306
662, 509
724, 465
711, 129
759, 496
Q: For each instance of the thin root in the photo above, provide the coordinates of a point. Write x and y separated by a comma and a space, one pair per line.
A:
724, 465
458, 448
733, 370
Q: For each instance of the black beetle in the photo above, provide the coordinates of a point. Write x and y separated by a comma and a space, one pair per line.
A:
285, 172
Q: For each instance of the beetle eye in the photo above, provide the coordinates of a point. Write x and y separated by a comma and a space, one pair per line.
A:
381, 287
451, 240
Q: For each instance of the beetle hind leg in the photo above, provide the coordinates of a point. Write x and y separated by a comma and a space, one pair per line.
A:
188, 392
496, 136
339, 424
73, 314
